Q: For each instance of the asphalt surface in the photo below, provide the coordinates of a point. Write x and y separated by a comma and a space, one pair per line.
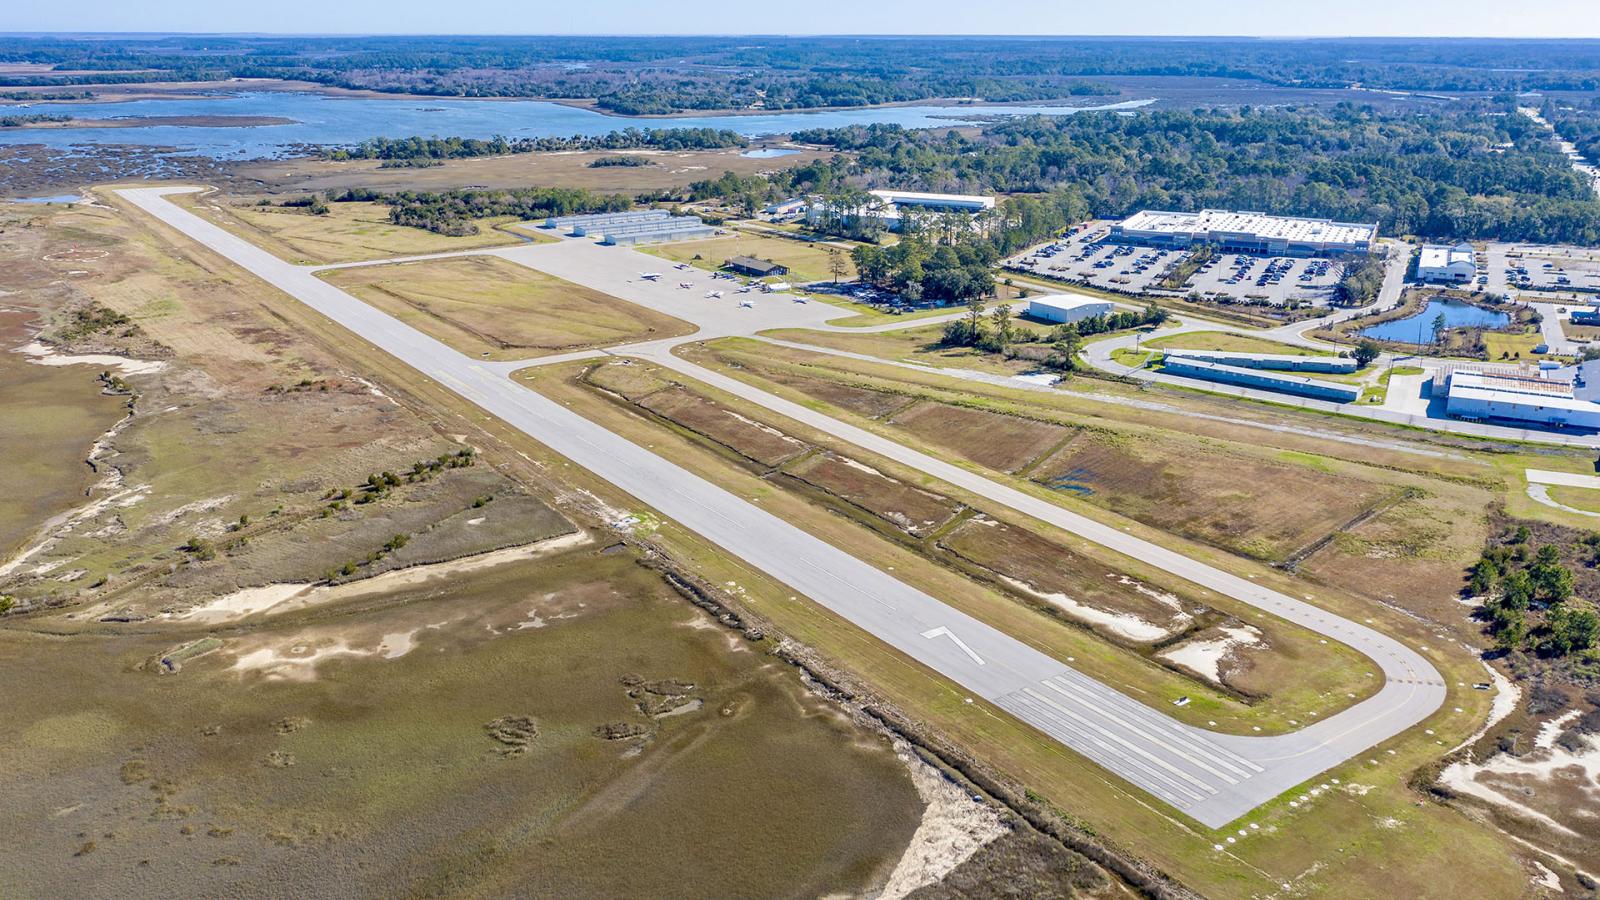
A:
1213, 778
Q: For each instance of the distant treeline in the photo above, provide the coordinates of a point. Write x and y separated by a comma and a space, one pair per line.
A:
453, 212
460, 148
654, 75
611, 162
42, 96
17, 121
1480, 171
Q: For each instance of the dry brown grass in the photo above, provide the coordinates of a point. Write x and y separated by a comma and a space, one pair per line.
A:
989, 439
1235, 500
912, 509
674, 170
486, 306
746, 437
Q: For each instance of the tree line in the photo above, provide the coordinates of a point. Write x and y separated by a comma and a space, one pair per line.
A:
418, 147
1478, 172
453, 212
1528, 600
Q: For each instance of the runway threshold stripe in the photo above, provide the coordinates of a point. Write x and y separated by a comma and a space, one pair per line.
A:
1101, 753
1145, 728
1123, 741
1160, 723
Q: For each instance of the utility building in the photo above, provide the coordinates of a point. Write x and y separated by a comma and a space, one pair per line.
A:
1066, 308
1446, 264
1246, 232
758, 268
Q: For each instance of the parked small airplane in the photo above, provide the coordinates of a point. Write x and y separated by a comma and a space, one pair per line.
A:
712, 295
747, 304
650, 276
681, 266
686, 284
744, 290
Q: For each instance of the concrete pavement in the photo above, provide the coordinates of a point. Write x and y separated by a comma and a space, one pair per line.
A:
1214, 778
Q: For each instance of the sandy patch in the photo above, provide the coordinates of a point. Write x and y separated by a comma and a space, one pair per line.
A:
241, 603
953, 827
1123, 625
45, 355
1545, 764
1205, 657
415, 575
1506, 696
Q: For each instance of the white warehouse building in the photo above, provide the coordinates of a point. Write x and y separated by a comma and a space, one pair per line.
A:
885, 207
1491, 393
1065, 308
1246, 232
1447, 264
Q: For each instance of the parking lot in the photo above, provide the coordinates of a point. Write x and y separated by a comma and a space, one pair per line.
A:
1088, 257
1541, 272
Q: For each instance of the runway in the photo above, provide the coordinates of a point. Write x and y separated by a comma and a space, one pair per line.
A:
1213, 778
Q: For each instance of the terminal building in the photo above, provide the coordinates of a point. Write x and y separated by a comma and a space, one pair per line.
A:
1066, 308
1545, 397
1443, 264
1246, 232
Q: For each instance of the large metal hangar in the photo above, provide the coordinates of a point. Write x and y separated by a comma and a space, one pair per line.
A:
1246, 232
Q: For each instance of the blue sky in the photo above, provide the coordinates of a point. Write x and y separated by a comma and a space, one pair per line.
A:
1442, 18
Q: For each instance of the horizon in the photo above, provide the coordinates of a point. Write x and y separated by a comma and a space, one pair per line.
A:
1289, 20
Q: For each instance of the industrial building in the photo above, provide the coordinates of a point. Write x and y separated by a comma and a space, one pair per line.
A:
1298, 385
972, 203
1447, 264
790, 207
1066, 308
885, 207
593, 222
676, 228
1246, 232
757, 268
1504, 393
1586, 315
1337, 365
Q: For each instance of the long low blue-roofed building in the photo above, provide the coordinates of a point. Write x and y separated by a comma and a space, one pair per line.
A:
1299, 385
1338, 365
589, 222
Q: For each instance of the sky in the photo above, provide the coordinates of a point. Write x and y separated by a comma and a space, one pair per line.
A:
1429, 18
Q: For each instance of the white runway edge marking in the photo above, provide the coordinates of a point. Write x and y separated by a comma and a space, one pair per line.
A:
1205, 774
942, 631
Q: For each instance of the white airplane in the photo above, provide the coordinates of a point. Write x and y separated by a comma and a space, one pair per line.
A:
713, 295
686, 284
747, 304
681, 266
744, 290
799, 299
650, 276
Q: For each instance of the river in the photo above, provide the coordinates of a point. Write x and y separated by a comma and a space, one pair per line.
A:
325, 120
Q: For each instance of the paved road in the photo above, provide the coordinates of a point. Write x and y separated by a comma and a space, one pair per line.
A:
1214, 778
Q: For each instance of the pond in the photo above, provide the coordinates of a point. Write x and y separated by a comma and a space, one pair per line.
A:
1418, 328
319, 119
769, 153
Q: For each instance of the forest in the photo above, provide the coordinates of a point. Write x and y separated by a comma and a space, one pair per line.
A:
1480, 172
658, 75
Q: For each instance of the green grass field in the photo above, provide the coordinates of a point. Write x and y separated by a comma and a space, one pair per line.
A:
1230, 342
